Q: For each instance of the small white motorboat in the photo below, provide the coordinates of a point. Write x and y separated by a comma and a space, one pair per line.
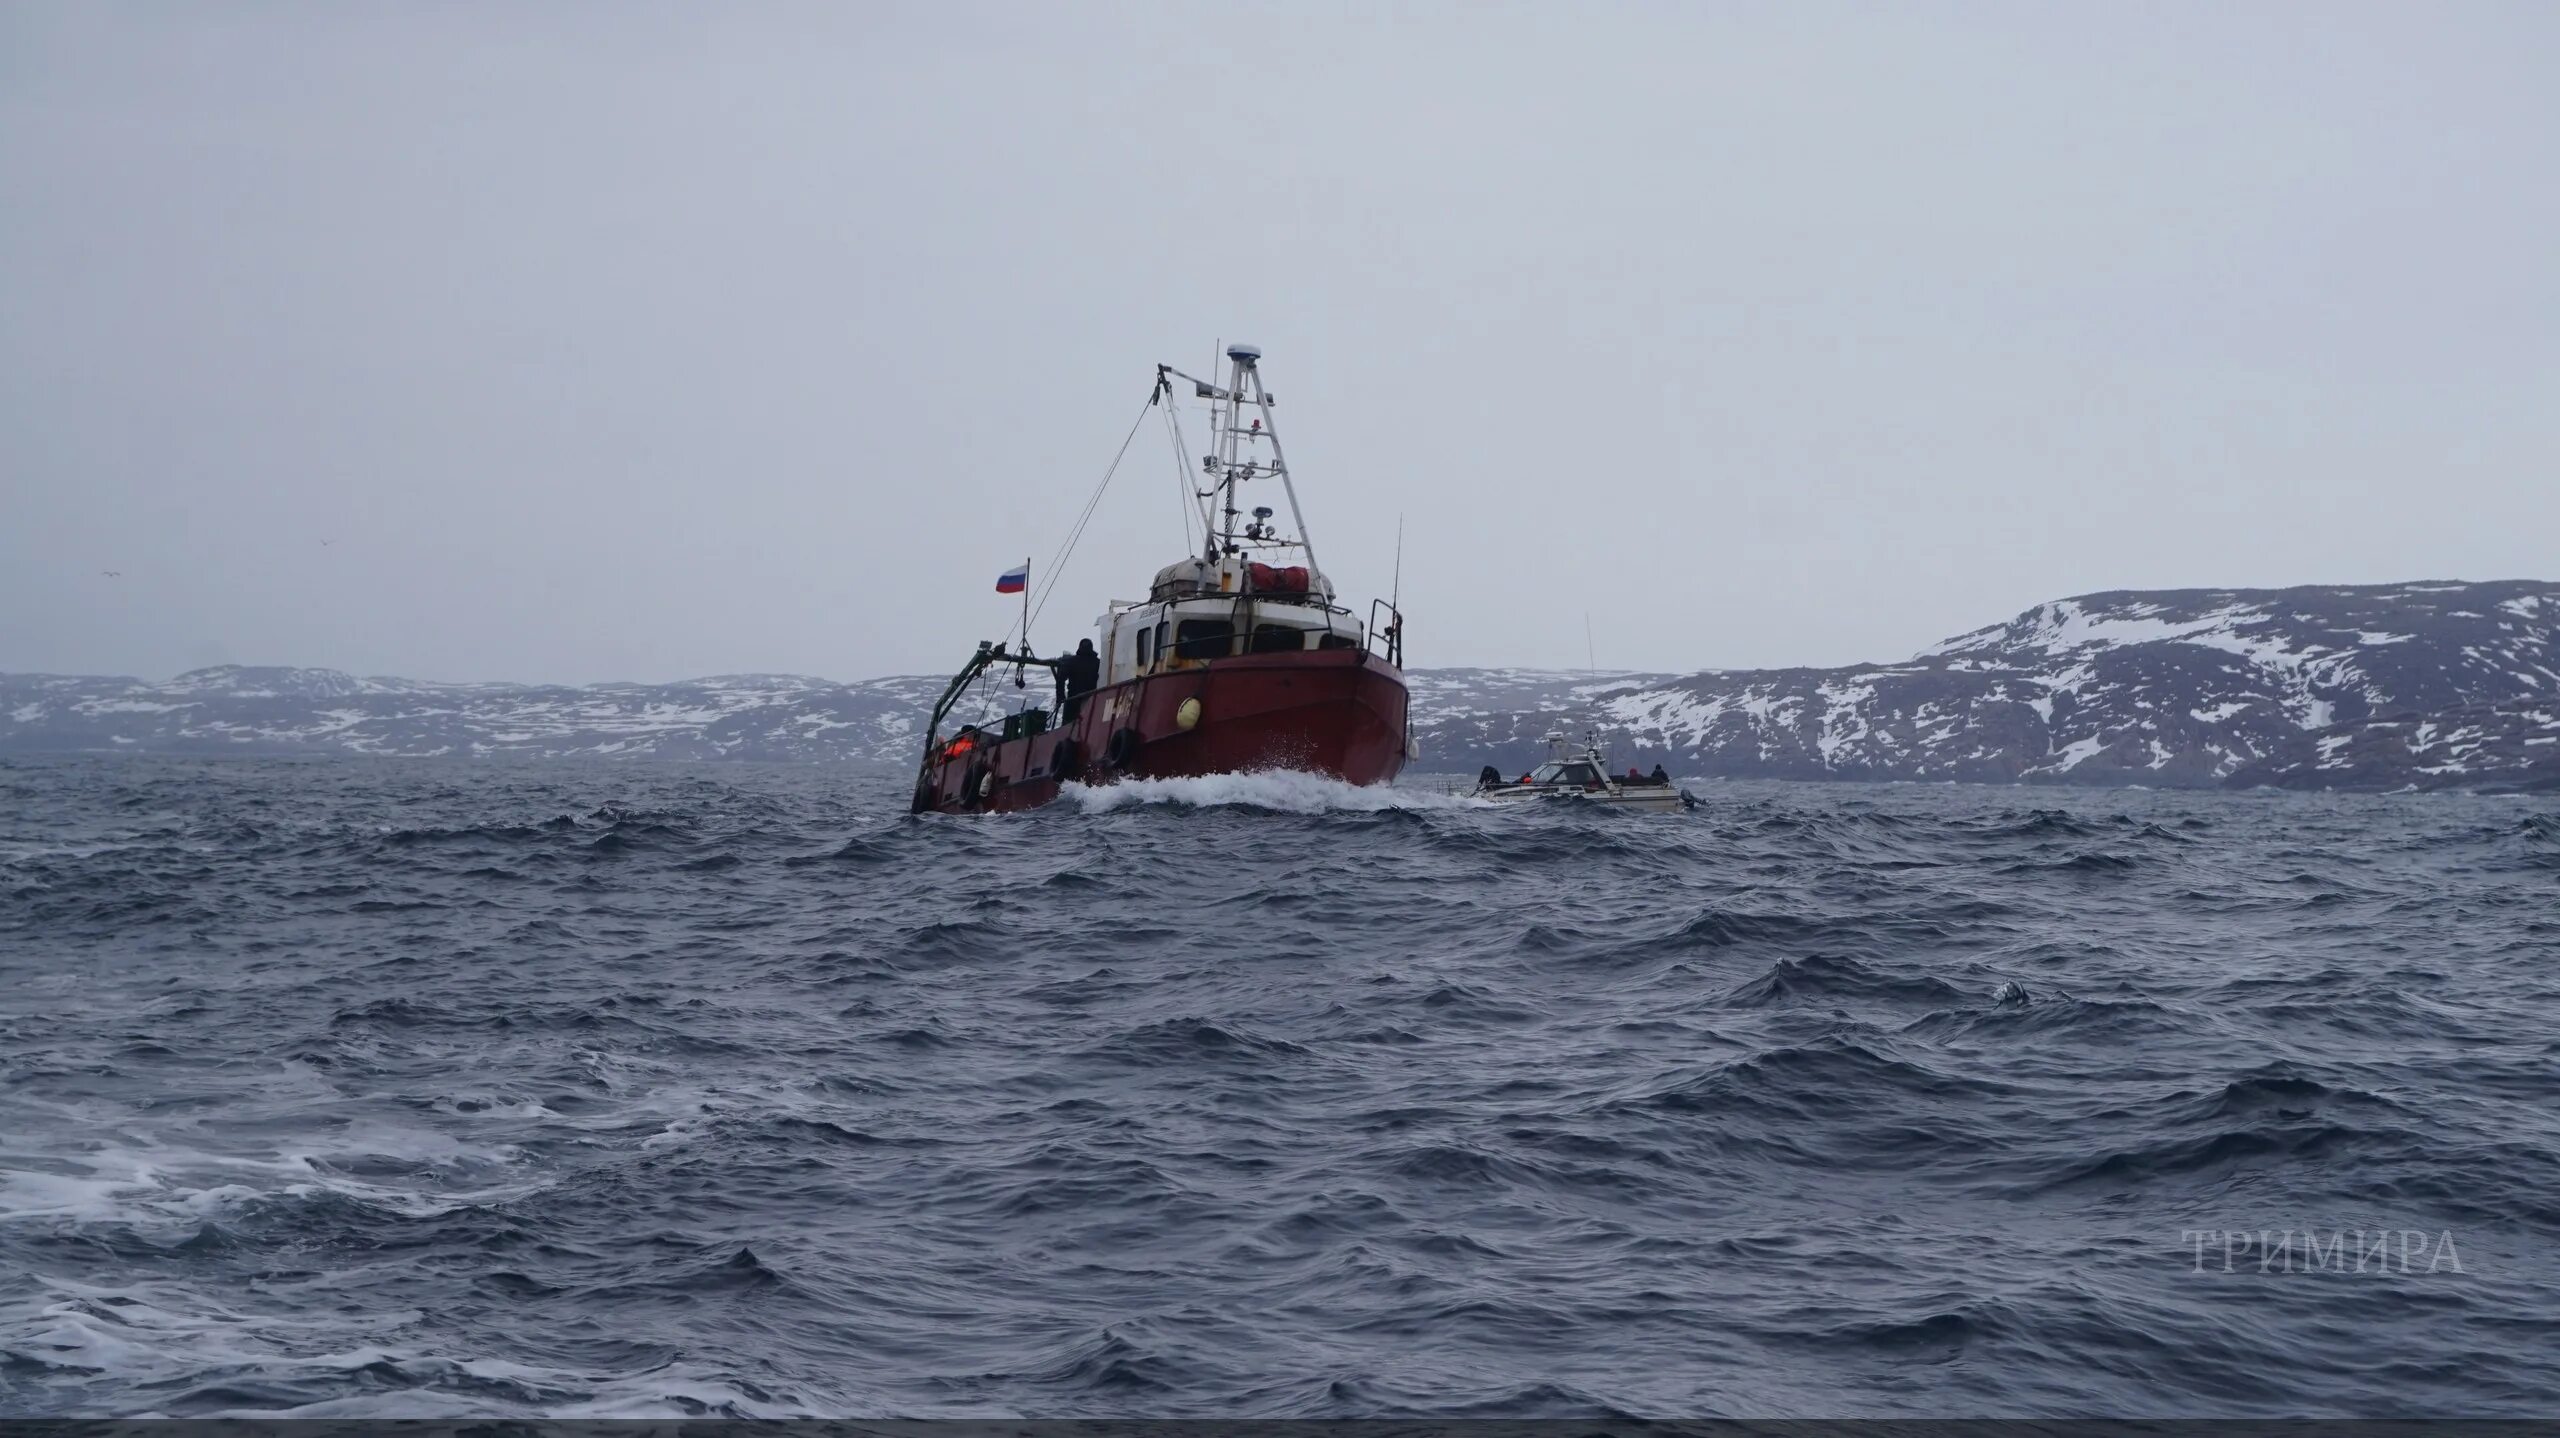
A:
1579, 775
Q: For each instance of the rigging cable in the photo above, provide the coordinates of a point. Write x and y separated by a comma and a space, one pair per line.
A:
1183, 493
1058, 561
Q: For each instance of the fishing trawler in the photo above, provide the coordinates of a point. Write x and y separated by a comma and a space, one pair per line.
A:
1239, 657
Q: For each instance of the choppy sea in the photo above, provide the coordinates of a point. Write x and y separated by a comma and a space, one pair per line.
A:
433, 1089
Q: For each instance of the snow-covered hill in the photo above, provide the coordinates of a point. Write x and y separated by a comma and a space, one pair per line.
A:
2374, 687
2313, 687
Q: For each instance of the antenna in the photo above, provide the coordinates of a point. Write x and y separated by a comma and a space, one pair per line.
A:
1397, 592
1590, 663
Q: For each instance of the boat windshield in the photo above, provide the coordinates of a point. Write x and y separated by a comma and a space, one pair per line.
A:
1559, 772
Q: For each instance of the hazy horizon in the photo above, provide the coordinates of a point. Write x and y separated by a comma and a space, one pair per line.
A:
1603, 671
590, 343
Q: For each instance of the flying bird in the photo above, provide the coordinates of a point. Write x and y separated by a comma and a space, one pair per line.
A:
112, 573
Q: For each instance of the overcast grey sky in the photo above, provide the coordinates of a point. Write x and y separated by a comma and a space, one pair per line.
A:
589, 341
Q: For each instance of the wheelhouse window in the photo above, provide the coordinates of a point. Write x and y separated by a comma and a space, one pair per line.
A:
1277, 638
1331, 640
1555, 772
1146, 646
1205, 638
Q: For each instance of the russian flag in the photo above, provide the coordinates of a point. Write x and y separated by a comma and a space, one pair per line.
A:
1014, 581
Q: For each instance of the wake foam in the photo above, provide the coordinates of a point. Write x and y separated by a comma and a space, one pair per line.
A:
1285, 791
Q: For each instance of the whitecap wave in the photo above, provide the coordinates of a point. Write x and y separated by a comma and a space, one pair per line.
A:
169, 1188
1286, 791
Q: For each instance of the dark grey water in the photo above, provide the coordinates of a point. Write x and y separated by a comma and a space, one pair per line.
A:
401, 1088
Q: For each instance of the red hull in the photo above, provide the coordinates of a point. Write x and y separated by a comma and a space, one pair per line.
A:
1337, 712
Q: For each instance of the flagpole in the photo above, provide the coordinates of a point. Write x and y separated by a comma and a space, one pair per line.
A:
1026, 604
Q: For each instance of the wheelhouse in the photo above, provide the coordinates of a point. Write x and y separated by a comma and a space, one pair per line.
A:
1567, 771
1199, 611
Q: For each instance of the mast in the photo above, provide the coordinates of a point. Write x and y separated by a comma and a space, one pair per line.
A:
1234, 458
1228, 443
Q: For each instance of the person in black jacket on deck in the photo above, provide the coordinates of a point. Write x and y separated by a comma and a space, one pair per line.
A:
1081, 670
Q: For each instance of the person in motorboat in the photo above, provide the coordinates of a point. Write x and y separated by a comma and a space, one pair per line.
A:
1577, 772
